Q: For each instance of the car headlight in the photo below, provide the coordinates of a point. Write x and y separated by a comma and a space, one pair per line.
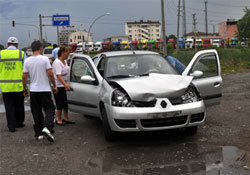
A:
120, 99
189, 96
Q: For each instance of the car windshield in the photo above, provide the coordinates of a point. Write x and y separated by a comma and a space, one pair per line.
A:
136, 65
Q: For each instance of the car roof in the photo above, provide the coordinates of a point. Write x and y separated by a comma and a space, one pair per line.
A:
129, 52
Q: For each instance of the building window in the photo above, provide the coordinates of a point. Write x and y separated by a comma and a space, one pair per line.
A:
129, 26
130, 31
157, 35
157, 30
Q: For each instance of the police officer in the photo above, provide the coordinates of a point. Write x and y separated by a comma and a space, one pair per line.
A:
11, 71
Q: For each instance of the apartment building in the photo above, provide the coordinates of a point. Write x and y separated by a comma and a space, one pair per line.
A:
143, 30
228, 29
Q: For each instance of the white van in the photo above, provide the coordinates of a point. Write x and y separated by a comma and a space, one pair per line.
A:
198, 43
98, 46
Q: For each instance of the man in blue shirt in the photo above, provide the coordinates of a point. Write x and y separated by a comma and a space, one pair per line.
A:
177, 64
54, 52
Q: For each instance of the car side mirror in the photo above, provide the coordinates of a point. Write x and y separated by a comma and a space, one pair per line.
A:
197, 74
87, 78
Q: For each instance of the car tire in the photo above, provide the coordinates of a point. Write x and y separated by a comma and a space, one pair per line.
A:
108, 133
191, 130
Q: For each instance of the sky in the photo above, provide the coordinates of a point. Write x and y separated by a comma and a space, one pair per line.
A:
84, 12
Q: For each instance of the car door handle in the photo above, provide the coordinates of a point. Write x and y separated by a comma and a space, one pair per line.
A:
71, 89
216, 84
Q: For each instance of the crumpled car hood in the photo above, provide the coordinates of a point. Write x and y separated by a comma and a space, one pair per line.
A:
148, 88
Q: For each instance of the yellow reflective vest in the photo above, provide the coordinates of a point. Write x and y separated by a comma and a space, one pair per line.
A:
11, 70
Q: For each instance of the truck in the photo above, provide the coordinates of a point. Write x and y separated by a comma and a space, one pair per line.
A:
124, 45
217, 42
151, 44
98, 46
181, 43
106, 46
80, 48
172, 43
189, 43
159, 44
90, 46
143, 45
116, 45
133, 45
198, 43
206, 42
234, 42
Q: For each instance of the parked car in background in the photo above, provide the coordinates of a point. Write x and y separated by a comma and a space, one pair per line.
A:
141, 91
47, 51
29, 52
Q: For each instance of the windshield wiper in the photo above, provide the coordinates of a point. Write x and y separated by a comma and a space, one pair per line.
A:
120, 76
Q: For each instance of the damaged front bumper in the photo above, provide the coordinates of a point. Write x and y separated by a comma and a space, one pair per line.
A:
159, 117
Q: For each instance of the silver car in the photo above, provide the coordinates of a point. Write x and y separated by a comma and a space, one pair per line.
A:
141, 91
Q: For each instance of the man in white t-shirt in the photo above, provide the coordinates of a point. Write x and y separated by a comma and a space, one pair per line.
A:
39, 70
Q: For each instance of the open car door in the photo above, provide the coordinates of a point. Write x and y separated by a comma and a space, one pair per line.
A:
84, 82
209, 83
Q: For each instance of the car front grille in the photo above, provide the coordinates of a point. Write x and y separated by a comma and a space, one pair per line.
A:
144, 104
150, 123
197, 117
125, 123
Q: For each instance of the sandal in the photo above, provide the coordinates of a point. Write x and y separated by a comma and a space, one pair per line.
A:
68, 122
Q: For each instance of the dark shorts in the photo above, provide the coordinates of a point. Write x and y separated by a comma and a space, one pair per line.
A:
61, 99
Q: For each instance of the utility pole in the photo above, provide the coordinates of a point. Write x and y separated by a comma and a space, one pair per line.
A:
41, 29
184, 24
214, 29
163, 29
206, 25
194, 29
178, 25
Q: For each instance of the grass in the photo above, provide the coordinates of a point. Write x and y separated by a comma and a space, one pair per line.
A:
231, 59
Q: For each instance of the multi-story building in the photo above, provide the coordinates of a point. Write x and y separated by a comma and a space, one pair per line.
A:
71, 34
79, 36
143, 30
228, 29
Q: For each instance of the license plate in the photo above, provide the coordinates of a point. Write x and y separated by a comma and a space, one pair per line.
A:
165, 115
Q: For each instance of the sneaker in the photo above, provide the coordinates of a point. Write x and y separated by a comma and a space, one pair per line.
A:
41, 137
47, 133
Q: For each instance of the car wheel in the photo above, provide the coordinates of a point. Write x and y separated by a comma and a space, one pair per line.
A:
191, 130
108, 133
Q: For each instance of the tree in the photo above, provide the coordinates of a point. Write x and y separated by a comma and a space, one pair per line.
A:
243, 25
172, 36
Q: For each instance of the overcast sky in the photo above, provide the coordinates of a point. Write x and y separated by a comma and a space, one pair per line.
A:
83, 12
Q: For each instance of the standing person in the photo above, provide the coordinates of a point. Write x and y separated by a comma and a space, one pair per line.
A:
54, 52
61, 70
39, 69
11, 65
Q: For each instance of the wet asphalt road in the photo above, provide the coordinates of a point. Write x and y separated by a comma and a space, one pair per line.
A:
221, 146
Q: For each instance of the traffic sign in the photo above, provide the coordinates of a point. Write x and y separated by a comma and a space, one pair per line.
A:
60, 20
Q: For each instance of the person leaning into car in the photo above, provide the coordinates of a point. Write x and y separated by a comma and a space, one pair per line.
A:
61, 69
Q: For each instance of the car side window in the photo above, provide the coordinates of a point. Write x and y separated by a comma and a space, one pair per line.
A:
208, 65
80, 68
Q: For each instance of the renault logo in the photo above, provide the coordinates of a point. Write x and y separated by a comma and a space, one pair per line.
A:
163, 104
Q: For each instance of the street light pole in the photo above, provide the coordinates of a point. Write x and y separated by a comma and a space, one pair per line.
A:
93, 24
163, 29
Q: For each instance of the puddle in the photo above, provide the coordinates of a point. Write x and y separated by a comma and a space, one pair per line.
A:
171, 159
2, 109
